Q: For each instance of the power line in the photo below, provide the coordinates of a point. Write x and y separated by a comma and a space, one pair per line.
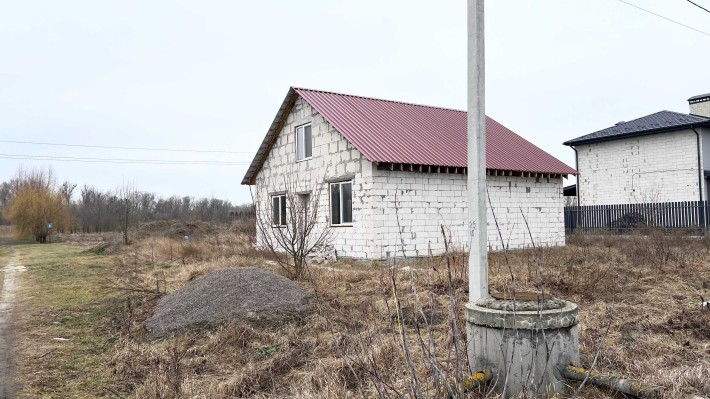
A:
666, 18
699, 6
123, 148
118, 160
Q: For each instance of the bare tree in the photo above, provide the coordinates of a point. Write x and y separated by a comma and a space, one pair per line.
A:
40, 178
95, 210
66, 189
128, 201
290, 226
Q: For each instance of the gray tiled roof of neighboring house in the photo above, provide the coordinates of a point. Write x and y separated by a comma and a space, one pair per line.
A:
663, 121
699, 97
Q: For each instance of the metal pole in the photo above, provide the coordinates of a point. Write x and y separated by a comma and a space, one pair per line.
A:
478, 254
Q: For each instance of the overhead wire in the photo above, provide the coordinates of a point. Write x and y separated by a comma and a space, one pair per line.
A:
699, 6
123, 147
118, 160
666, 18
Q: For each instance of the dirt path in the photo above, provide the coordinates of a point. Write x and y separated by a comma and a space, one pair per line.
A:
7, 297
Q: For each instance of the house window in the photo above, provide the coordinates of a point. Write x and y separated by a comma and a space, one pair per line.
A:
341, 203
278, 209
304, 142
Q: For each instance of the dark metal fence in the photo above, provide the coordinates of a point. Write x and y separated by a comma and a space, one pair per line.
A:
693, 215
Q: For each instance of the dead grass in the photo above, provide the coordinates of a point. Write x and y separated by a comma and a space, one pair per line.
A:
62, 331
645, 288
658, 333
5, 252
653, 283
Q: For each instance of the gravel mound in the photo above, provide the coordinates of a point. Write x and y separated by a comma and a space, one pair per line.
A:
175, 229
246, 294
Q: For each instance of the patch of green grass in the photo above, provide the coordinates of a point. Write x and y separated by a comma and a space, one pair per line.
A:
99, 250
64, 347
270, 350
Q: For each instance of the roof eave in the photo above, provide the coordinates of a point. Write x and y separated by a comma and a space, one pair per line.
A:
574, 142
416, 167
271, 135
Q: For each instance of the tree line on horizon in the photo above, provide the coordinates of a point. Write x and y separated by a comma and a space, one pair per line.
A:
33, 199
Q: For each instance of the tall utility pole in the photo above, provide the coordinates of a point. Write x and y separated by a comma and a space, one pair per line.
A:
478, 237
549, 333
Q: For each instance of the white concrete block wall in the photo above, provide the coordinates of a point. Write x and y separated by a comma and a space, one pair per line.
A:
653, 168
333, 157
409, 208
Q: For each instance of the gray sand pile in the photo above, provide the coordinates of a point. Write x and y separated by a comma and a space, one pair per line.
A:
246, 294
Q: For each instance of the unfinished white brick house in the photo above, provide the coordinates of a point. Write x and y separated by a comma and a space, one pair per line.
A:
662, 157
388, 175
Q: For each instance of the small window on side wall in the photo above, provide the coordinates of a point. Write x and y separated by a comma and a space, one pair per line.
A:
278, 209
304, 142
341, 203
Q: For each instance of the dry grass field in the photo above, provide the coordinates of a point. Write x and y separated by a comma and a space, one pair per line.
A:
639, 298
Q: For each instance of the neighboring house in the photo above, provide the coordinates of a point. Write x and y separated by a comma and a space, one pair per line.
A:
396, 172
662, 157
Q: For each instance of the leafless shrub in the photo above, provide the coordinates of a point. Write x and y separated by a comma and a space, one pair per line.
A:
291, 226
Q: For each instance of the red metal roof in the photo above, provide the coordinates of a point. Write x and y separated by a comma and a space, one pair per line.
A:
396, 132
390, 131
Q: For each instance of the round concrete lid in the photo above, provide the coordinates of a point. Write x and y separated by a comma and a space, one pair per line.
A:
485, 313
518, 306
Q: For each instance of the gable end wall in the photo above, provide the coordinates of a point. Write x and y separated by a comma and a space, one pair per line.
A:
333, 157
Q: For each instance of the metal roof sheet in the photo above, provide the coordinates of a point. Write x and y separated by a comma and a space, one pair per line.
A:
663, 121
396, 132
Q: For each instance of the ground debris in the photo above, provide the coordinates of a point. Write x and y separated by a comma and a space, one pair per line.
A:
246, 294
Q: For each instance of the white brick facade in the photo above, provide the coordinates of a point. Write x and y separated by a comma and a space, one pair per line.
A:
700, 108
659, 167
391, 207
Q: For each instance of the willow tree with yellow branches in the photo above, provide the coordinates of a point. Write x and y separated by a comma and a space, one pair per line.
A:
31, 210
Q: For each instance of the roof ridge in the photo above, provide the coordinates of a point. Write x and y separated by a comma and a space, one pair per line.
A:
378, 99
646, 116
664, 121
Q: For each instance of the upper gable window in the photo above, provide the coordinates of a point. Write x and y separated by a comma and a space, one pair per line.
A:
304, 142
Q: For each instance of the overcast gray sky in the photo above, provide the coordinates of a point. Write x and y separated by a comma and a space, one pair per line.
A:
210, 75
